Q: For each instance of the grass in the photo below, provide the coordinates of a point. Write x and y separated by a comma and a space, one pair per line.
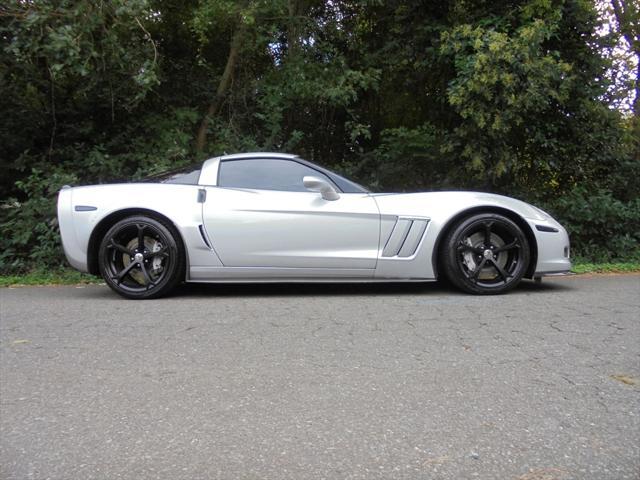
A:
620, 267
65, 276
62, 276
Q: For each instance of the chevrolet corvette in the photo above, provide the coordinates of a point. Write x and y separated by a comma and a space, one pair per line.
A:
272, 217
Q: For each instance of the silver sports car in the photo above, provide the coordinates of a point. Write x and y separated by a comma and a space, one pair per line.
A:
272, 217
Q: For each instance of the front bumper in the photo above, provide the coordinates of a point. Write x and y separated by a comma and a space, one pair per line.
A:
553, 248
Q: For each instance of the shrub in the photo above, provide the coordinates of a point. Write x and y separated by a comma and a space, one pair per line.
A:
602, 227
30, 235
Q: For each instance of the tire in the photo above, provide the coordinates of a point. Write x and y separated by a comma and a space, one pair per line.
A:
485, 254
141, 258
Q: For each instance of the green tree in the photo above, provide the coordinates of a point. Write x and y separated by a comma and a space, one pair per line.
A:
513, 97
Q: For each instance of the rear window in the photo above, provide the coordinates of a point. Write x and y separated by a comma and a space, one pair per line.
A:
184, 175
189, 178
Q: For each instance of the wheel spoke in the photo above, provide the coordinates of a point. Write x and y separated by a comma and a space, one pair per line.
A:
476, 272
147, 277
120, 275
510, 246
500, 271
115, 245
487, 234
163, 252
140, 237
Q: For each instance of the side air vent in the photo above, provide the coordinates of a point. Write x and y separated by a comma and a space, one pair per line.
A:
398, 235
204, 236
405, 237
414, 236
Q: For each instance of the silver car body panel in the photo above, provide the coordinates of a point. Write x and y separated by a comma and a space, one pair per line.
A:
245, 235
259, 228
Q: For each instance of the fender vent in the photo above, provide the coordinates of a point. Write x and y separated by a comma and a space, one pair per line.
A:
405, 237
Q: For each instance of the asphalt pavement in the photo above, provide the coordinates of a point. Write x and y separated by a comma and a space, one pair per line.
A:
322, 382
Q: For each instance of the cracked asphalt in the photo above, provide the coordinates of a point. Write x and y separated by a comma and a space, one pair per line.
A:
322, 382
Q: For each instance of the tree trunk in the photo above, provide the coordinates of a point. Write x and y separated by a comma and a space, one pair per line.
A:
626, 14
636, 101
223, 88
296, 9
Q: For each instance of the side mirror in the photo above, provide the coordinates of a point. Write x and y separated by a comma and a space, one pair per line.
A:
316, 184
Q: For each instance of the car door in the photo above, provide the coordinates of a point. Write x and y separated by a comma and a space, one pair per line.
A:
261, 215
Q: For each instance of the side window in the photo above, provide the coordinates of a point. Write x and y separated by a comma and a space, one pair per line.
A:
265, 174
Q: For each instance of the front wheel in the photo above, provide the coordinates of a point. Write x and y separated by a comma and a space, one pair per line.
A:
485, 254
141, 257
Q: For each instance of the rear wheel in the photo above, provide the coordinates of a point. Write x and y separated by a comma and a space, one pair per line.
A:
485, 254
141, 257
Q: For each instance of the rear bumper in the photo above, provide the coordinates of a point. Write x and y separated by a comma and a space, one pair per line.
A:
76, 255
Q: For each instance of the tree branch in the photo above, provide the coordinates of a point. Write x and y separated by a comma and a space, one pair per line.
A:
223, 87
155, 50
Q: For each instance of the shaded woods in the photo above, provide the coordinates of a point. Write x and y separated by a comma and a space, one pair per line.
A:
534, 99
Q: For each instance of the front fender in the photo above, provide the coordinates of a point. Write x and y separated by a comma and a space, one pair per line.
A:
441, 209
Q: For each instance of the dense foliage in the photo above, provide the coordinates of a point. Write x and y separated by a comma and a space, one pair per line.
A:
513, 97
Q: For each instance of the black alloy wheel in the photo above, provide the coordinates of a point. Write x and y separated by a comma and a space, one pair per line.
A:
485, 254
141, 257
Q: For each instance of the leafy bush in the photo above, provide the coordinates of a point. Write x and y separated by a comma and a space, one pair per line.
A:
30, 233
602, 228
409, 95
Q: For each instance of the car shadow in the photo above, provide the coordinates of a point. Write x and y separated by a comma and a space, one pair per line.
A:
186, 290
390, 289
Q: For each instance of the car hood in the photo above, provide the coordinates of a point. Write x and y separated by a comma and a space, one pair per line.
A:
445, 204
